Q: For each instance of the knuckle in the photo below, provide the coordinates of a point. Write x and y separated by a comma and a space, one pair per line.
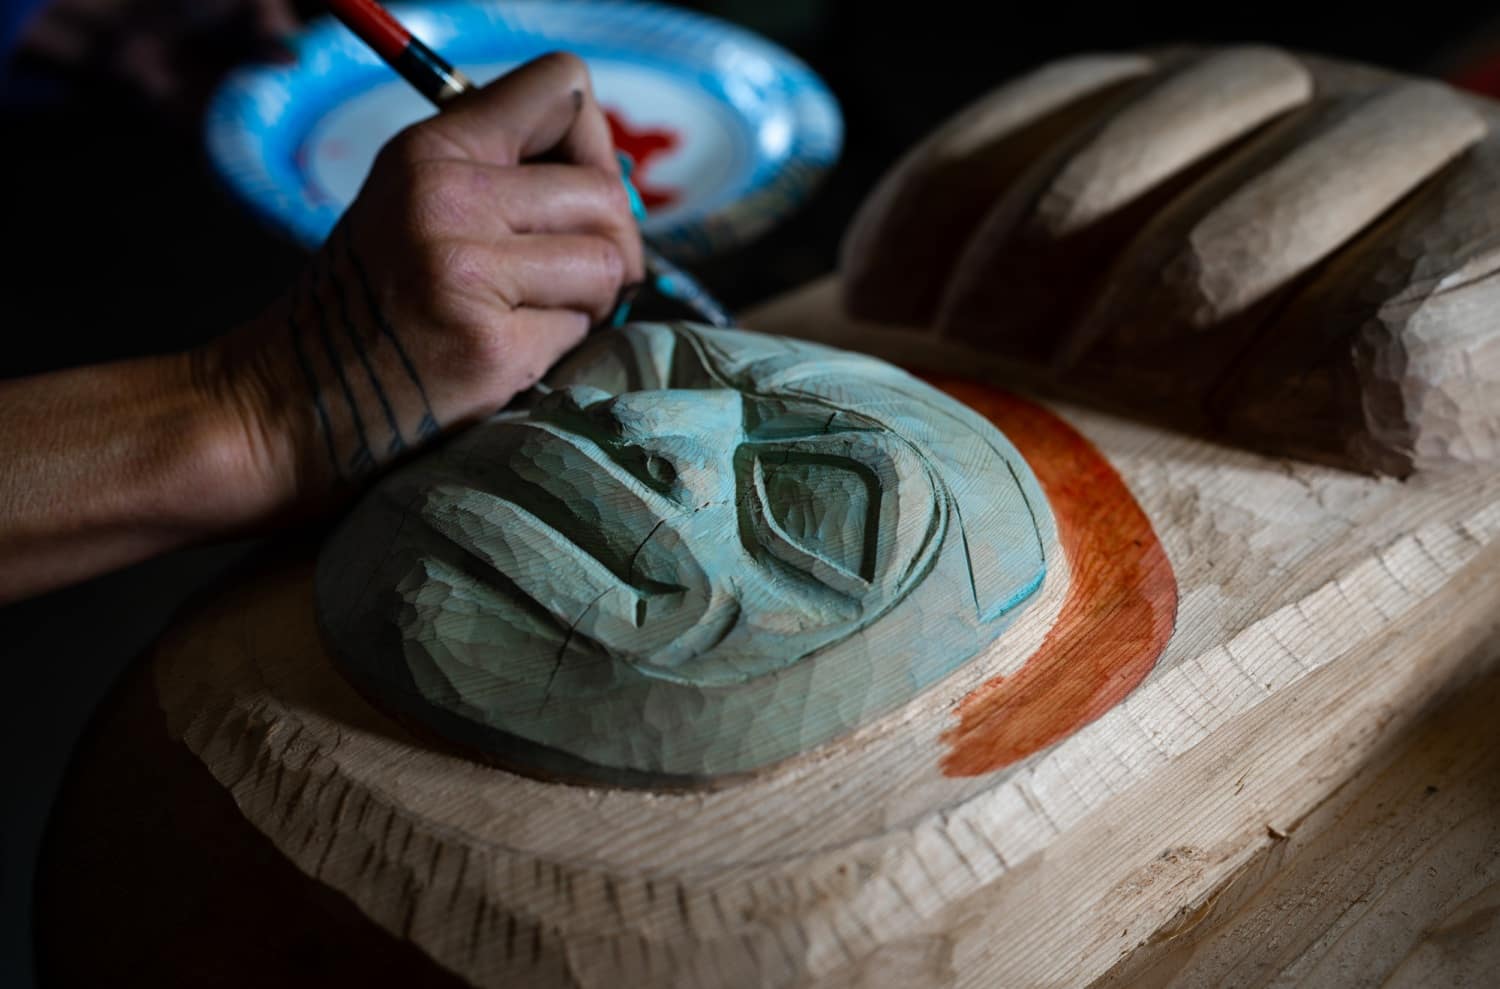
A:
462, 267
506, 355
410, 146
598, 270
441, 195
457, 282
607, 265
565, 64
635, 271
611, 192
441, 137
610, 260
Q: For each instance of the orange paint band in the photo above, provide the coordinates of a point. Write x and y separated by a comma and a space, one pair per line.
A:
1120, 609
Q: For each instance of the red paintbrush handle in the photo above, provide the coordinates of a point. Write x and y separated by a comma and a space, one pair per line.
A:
420, 65
374, 25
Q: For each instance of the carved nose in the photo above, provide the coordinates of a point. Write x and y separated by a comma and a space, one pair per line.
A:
571, 402
680, 441
644, 416
712, 415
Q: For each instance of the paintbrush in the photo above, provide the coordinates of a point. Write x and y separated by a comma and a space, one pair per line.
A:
435, 79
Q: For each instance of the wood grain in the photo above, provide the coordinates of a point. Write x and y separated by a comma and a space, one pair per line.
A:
1317, 610
1393, 881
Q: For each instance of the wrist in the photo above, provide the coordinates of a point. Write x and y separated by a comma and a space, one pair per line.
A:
246, 437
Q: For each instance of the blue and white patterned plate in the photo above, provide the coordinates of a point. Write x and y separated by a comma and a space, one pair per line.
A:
729, 131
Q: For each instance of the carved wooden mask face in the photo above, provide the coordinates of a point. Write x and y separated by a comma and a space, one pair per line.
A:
691, 552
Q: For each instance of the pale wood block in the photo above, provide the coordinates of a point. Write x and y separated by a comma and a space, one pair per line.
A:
1288, 251
1174, 311
1414, 287
1048, 872
1194, 111
1061, 217
1331, 185
929, 194
1392, 881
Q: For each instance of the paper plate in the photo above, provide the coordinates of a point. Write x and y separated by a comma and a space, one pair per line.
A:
729, 132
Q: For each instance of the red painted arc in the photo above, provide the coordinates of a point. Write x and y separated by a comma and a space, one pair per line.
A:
1118, 615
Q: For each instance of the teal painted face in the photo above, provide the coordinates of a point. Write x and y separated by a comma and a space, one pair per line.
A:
691, 553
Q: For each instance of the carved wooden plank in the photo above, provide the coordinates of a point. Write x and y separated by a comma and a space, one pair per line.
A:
1317, 609
1394, 881
1090, 775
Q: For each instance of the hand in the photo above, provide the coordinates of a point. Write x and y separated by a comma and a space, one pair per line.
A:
484, 244
171, 51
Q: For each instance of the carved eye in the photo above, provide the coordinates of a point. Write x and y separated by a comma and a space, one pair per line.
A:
814, 511
648, 466
827, 506
853, 510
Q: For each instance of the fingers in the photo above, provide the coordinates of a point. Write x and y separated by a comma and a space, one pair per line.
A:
475, 202
582, 273
545, 107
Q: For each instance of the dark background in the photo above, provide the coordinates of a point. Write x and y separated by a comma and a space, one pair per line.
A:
119, 242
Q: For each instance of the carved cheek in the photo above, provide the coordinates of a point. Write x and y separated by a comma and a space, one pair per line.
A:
745, 619
521, 549
678, 623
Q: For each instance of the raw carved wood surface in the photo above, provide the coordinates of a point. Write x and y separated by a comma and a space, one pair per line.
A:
1316, 612
1296, 253
1394, 881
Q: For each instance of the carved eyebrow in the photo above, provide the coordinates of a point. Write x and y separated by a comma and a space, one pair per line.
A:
657, 503
769, 417
697, 361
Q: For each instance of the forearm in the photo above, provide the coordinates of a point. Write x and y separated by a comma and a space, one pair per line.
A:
468, 277
111, 464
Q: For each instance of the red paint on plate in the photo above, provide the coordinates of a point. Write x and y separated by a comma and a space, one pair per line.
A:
1117, 618
644, 145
